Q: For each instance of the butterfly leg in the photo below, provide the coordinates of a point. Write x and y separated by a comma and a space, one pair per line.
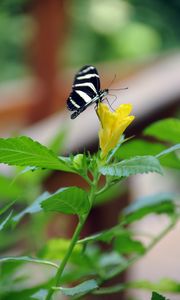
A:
110, 105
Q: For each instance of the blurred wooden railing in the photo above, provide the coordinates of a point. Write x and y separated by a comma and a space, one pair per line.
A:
25, 102
50, 19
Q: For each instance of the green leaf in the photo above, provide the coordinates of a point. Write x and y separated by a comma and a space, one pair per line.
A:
132, 166
27, 259
79, 162
85, 287
23, 151
71, 200
125, 244
8, 189
140, 147
40, 295
163, 285
5, 221
165, 130
57, 248
20, 294
156, 296
111, 259
137, 147
35, 207
57, 142
158, 203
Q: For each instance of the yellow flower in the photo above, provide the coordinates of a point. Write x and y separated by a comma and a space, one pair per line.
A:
113, 125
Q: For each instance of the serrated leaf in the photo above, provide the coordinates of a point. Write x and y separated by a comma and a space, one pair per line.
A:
71, 200
111, 259
5, 221
158, 203
125, 244
23, 151
132, 166
165, 130
85, 287
156, 296
27, 259
35, 207
138, 147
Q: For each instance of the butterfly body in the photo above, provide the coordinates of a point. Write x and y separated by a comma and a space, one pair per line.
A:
85, 90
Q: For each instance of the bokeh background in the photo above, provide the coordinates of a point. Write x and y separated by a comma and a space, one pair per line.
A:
94, 31
132, 43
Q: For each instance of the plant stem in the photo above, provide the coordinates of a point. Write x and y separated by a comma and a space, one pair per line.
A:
121, 287
73, 242
163, 233
67, 256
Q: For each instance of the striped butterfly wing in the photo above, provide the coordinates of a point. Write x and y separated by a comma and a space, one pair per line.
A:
85, 87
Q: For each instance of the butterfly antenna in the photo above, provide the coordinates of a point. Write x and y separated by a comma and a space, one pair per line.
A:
113, 100
112, 81
111, 103
115, 95
125, 88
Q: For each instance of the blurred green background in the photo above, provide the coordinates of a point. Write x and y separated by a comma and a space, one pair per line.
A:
97, 31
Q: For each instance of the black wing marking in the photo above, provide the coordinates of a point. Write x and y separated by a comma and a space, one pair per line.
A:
88, 74
85, 87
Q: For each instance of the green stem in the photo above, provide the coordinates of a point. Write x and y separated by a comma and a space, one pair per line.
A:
87, 179
73, 242
67, 256
106, 186
121, 269
121, 287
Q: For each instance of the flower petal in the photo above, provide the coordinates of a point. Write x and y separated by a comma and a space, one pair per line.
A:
113, 125
124, 110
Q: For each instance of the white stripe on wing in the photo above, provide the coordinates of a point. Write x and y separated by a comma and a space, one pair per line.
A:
89, 84
74, 103
84, 96
87, 76
86, 70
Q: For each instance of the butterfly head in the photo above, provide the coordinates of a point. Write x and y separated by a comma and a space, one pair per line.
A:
103, 93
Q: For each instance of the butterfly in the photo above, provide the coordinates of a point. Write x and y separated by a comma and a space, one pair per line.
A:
85, 90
